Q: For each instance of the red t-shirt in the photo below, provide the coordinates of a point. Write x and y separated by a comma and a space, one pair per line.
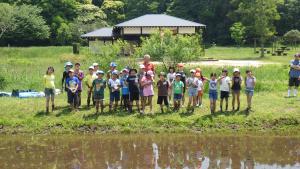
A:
149, 66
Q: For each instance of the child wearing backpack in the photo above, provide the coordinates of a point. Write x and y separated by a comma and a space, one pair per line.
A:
72, 85
178, 87
49, 83
98, 86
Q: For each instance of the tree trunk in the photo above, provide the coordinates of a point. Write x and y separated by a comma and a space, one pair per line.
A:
262, 51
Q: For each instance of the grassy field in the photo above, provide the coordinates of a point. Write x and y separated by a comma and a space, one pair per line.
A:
23, 68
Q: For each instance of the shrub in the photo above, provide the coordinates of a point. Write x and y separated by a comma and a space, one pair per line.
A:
3, 82
171, 49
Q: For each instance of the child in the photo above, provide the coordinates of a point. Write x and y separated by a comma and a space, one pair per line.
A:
192, 85
200, 89
213, 93
163, 85
236, 88
182, 78
89, 83
80, 75
96, 68
112, 67
250, 82
224, 88
170, 79
72, 84
133, 86
125, 90
49, 83
140, 76
99, 84
114, 86
147, 84
294, 75
68, 66
178, 87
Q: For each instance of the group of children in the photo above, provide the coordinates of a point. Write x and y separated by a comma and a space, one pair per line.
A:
132, 86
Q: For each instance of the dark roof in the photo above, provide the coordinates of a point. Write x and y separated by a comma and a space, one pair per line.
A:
102, 32
158, 20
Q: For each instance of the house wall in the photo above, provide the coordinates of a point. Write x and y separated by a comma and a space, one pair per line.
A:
186, 30
128, 31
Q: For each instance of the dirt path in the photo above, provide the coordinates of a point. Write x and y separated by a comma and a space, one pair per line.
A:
238, 63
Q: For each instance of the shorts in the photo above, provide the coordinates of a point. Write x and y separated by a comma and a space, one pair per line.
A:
72, 97
125, 97
114, 96
200, 93
193, 92
177, 97
162, 99
213, 95
49, 92
224, 94
141, 92
294, 82
249, 91
98, 97
236, 91
134, 96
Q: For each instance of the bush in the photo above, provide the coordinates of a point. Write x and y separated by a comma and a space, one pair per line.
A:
171, 49
3, 82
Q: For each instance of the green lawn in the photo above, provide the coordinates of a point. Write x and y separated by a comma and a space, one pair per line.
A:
23, 68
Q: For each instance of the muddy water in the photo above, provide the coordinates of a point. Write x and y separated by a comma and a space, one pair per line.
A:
149, 152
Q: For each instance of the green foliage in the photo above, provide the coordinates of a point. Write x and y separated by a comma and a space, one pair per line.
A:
171, 49
28, 24
7, 18
114, 10
3, 82
292, 36
238, 33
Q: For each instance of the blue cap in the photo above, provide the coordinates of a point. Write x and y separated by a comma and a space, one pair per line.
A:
113, 64
68, 64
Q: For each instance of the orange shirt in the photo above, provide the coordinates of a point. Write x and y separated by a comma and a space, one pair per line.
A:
149, 66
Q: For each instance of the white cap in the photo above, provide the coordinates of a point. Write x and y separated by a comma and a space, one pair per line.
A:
95, 64
193, 71
91, 67
236, 70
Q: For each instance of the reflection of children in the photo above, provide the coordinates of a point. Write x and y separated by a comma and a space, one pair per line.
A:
72, 84
224, 88
170, 79
192, 85
178, 87
49, 83
213, 93
236, 88
99, 85
114, 86
250, 82
163, 85
90, 77
125, 90
133, 86
148, 92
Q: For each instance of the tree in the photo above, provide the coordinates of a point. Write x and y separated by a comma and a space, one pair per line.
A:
171, 49
292, 37
238, 31
7, 19
258, 16
114, 10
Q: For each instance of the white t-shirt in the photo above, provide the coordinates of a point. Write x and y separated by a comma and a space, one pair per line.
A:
225, 84
114, 84
171, 77
250, 82
200, 85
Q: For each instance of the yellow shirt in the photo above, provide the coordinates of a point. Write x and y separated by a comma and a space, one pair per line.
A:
49, 81
89, 79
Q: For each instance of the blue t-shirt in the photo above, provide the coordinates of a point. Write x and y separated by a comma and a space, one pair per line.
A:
125, 89
293, 72
72, 82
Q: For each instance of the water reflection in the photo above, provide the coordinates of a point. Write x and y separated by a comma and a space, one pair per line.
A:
149, 152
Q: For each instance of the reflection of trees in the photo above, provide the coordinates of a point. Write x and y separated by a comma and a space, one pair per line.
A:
124, 152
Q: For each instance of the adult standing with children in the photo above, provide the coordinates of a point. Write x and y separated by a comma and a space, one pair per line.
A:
148, 65
294, 75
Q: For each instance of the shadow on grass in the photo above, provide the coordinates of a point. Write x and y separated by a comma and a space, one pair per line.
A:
63, 111
41, 114
93, 116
